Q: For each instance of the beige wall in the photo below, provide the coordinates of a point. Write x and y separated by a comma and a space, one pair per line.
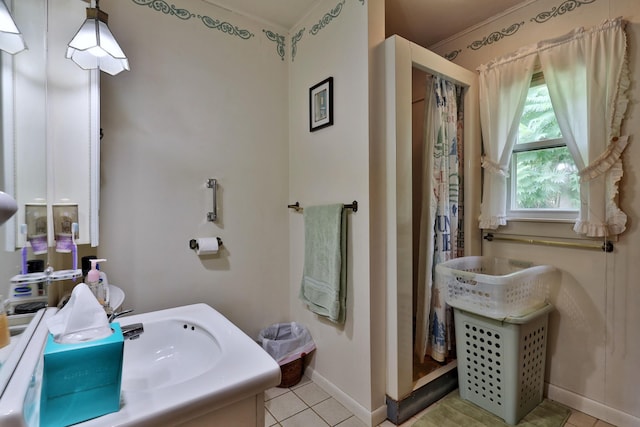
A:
331, 165
594, 347
198, 103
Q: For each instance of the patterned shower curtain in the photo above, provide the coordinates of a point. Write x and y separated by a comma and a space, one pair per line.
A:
440, 221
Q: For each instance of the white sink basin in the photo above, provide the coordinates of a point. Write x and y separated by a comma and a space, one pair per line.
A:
190, 365
167, 353
189, 361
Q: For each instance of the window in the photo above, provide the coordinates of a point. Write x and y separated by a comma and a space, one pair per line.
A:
543, 182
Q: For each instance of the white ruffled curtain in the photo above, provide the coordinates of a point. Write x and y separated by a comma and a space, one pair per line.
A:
503, 92
587, 75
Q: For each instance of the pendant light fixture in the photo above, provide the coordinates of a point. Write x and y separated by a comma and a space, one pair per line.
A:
11, 40
94, 47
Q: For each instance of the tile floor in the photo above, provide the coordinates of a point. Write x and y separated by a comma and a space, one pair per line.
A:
307, 405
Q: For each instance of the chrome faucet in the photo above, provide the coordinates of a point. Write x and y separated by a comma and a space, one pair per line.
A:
133, 331
115, 315
129, 332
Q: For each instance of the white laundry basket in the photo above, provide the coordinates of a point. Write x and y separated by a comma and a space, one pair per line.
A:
501, 362
495, 287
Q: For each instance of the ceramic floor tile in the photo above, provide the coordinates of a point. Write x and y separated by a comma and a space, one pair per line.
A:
352, 421
268, 419
303, 381
274, 392
311, 394
306, 418
294, 406
285, 405
332, 411
580, 419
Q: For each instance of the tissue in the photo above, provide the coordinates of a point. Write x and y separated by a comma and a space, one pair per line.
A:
82, 319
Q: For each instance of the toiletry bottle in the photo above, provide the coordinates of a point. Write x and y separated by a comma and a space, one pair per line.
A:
5, 336
93, 282
86, 266
104, 290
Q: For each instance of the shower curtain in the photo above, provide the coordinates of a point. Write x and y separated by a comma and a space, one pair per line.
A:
441, 217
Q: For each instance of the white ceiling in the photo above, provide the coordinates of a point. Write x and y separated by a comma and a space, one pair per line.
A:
425, 22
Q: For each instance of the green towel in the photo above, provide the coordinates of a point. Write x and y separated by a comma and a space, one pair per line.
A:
324, 277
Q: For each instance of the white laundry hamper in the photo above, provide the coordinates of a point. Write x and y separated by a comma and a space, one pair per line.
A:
501, 363
495, 287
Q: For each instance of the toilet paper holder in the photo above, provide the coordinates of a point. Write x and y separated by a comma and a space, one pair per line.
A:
193, 243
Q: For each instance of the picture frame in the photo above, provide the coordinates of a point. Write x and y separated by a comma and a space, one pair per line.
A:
321, 105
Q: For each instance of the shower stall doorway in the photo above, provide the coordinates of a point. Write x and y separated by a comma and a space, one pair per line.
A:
413, 384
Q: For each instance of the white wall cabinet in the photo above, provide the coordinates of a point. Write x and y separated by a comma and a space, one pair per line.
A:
50, 120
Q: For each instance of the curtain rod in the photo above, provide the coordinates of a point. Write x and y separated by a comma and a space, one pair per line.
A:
607, 246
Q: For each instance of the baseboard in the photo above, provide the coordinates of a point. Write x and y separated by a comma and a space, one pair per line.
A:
591, 407
371, 419
400, 411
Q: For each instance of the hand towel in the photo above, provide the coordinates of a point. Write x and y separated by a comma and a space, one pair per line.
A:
324, 276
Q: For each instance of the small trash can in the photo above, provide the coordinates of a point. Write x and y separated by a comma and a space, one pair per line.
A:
288, 343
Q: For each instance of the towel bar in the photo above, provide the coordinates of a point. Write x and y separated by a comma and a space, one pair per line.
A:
607, 246
353, 206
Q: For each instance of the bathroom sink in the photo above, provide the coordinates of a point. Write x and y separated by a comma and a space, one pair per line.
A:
190, 366
188, 362
169, 352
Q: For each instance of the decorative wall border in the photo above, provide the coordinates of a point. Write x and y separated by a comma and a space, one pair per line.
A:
294, 43
225, 27
320, 25
496, 36
567, 6
327, 18
452, 55
185, 15
275, 37
163, 6
244, 34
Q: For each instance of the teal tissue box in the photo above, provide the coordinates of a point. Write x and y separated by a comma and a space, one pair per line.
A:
81, 381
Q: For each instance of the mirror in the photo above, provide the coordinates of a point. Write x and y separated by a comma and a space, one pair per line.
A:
50, 124
50, 137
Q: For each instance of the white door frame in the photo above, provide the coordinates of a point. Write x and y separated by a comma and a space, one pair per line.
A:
400, 57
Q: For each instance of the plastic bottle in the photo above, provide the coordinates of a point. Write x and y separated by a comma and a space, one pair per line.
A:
97, 282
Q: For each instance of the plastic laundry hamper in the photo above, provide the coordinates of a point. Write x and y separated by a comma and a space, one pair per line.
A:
501, 362
495, 287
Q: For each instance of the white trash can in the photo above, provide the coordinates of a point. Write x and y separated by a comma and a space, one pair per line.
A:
288, 344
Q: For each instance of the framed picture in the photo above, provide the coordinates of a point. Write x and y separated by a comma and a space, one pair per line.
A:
321, 105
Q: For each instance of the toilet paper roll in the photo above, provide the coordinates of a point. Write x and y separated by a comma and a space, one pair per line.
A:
207, 245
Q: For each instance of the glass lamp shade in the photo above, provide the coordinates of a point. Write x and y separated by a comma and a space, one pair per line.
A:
94, 46
11, 40
8, 207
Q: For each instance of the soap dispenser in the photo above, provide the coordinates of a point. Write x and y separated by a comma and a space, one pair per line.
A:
97, 282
